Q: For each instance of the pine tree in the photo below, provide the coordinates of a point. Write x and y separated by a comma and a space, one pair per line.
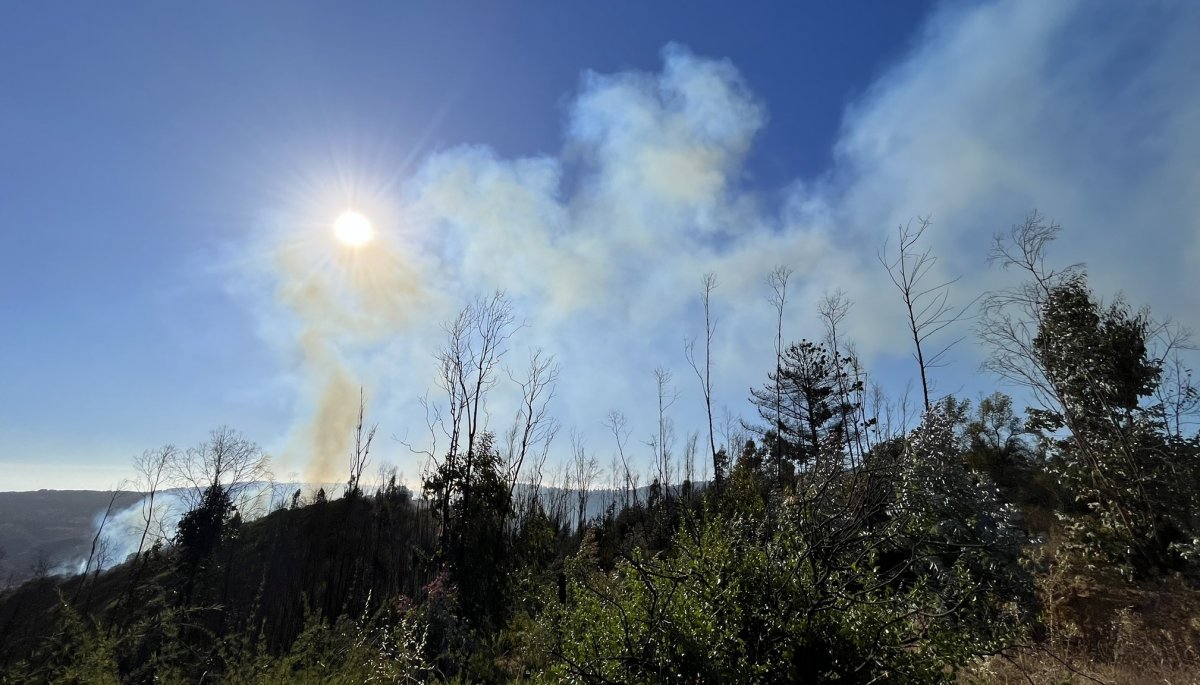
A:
803, 406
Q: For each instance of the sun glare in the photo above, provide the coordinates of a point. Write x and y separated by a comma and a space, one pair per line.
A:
353, 229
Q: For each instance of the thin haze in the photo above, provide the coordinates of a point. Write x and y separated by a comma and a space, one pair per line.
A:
597, 214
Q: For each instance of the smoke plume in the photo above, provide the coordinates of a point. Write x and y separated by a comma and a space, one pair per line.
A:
998, 109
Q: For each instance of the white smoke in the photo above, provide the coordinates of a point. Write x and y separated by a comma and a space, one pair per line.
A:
120, 533
123, 532
1000, 108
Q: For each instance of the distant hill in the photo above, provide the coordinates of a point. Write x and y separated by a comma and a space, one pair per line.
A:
48, 528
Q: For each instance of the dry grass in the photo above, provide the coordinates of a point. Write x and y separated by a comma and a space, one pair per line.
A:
1045, 670
1104, 631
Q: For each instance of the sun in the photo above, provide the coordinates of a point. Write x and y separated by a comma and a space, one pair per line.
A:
353, 229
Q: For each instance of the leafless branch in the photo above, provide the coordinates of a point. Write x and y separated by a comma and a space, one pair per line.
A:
927, 306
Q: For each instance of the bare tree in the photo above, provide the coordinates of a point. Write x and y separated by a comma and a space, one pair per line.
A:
1011, 318
865, 419
928, 308
733, 435
709, 283
777, 280
532, 427
689, 462
617, 425
389, 479
227, 461
833, 309
99, 550
104, 558
584, 471
1176, 396
537, 472
556, 500
635, 482
661, 443
152, 468
616, 479
891, 417
40, 567
363, 437
475, 347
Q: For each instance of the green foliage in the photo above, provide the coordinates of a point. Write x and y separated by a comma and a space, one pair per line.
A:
201, 528
746, 493
1134, 484
993, 438
806, 402
1095, 358
385, 648
476, 505
734, 603
816, 591
79, 653
952, 521
996, 443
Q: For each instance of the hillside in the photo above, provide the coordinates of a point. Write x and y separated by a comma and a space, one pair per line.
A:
41, 531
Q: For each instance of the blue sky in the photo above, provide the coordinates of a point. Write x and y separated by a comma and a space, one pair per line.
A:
591, 159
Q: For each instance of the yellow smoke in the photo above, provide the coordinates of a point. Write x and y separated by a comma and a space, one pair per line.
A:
345, 300
329, 431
